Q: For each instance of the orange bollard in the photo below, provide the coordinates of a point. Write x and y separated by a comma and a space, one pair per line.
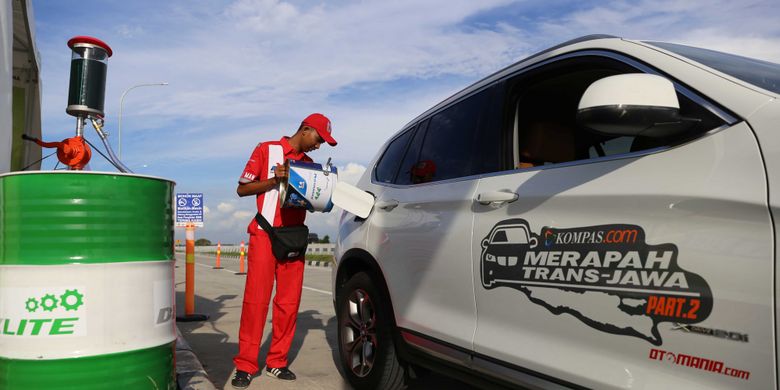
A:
189, 287
189, 291
241, 271
219, 253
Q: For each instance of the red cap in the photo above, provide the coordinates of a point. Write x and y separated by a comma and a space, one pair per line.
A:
321, 123
424, 168
90, 40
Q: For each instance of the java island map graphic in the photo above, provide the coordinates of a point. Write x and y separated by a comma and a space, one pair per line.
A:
606, 276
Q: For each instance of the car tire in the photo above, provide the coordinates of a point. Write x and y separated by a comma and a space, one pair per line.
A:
365, 334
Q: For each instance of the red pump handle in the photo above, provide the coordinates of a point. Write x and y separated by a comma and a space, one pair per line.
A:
73, 152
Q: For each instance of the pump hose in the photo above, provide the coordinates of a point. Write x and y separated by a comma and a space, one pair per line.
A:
111, 154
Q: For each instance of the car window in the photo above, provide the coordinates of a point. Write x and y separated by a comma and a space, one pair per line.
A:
491, 144
510, 236
387, 167
544, 105
517, 236
449, 148
499, 237
411, 159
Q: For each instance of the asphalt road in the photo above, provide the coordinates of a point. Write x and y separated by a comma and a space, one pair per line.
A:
314, 352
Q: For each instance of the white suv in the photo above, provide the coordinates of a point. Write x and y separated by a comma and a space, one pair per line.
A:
597, 215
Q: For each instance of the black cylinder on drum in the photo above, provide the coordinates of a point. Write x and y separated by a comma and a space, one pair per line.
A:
88, 66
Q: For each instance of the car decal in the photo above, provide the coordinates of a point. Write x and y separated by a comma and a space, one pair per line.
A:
701, 363
718, 333
606, 276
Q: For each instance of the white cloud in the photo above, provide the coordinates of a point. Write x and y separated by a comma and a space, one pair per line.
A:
264, 57
250, 72
228, 222
128, 31
266, 15
351, 173
746, 28
242, 215
226, 207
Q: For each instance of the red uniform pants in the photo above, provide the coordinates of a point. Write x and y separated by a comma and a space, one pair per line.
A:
263, 268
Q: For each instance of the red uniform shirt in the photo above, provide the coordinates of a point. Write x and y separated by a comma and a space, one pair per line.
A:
259, 167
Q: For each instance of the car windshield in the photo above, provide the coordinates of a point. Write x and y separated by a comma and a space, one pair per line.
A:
762, 74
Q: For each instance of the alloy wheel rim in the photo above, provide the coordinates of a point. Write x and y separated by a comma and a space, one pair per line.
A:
359, 339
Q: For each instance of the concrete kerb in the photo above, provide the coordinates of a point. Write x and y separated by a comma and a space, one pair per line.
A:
319, 263
190, 374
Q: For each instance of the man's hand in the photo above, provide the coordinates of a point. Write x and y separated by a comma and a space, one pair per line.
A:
261, 186
280, 173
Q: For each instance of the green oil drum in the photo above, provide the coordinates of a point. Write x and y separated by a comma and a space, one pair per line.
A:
86, 281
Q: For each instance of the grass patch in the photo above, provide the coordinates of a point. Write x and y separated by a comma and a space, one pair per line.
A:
224, 254
314, 257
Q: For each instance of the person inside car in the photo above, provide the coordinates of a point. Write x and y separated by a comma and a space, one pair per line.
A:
423, 171
535, 148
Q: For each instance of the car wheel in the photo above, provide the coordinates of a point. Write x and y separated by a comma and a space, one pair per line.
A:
366, 347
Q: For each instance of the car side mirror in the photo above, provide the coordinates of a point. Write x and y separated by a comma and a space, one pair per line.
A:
485, 243
634, 104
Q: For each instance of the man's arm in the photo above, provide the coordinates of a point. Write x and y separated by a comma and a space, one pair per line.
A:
261, 186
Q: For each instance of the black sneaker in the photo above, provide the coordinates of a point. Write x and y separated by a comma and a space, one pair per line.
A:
241, 380
280, 373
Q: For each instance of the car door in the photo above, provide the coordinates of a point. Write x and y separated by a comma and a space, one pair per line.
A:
420, 228
648, 263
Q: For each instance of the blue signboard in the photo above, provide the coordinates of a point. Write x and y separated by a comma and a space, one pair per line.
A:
189, 209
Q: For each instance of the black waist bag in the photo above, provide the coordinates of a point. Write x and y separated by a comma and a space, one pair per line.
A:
287, 242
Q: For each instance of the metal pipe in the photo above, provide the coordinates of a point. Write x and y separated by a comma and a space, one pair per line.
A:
79, 126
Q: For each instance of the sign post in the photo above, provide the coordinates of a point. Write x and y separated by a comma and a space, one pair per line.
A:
189, 209
189, 213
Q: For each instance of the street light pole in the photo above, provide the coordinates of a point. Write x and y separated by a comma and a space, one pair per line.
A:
121, 105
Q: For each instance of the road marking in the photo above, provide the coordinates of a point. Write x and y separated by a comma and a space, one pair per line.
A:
208, 266
317, 290
329, 269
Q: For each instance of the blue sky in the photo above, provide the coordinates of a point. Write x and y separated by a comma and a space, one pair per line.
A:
245, 71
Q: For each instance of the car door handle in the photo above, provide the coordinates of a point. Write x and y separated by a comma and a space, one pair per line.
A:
496, 197
387, 205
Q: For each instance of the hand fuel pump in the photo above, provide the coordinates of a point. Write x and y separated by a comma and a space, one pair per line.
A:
86, 96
